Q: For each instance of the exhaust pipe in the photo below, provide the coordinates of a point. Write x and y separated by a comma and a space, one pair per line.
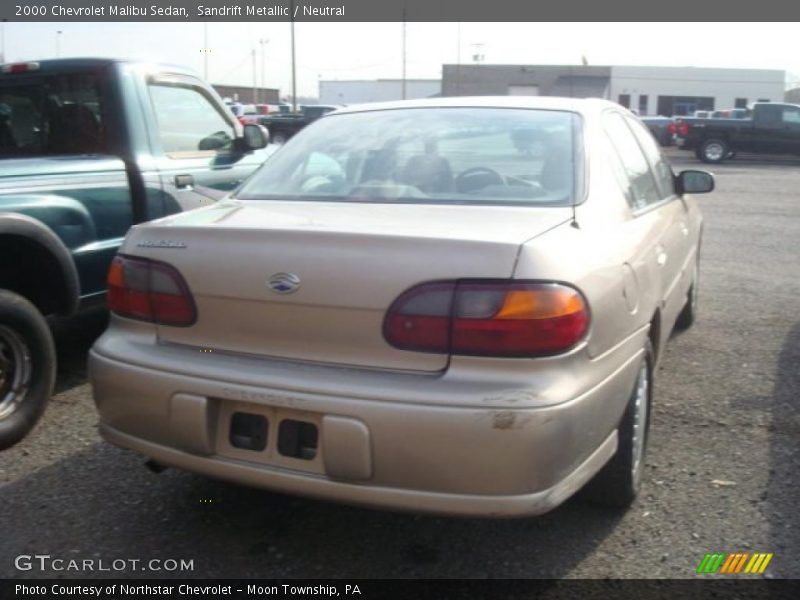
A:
154, 466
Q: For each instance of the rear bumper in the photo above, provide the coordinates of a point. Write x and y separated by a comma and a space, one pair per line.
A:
502, 459
371, 496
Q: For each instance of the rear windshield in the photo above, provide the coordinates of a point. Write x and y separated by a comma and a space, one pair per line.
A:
58, 114
429, 156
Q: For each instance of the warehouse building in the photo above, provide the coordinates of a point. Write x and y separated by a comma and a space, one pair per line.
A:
664, 91
376, 90
248, 95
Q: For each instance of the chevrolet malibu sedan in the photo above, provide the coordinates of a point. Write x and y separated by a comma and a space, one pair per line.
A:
403, 309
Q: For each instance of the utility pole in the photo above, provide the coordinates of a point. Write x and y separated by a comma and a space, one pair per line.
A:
458, 58
58, 43
205, 51
263, 42
255, 82
3, 41
404, 53
294, 69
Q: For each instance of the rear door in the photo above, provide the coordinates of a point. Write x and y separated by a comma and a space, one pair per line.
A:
659, 215
683, 230
193, 142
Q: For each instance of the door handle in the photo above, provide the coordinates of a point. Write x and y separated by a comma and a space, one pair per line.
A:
183, 182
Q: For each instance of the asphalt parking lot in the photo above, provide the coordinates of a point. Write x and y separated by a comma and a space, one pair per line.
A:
722, 470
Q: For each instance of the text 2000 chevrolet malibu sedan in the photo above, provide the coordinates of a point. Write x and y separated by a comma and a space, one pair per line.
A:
450, 306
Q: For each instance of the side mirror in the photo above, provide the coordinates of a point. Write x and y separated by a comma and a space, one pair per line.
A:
255, 137
694, 182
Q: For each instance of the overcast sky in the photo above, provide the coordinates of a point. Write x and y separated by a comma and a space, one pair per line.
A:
374, 50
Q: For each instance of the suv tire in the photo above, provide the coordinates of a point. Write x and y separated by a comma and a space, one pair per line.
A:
27, 367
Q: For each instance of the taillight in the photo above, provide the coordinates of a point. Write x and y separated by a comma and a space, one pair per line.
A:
682, 127
20, 67
488, 318
671, 129
139, 288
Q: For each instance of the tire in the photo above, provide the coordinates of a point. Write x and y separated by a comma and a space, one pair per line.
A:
279, 138
618, 482
714, 150
27, 367
688, 314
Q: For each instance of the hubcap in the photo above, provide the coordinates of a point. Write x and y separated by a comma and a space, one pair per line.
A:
714, 151
640, 421
15, 371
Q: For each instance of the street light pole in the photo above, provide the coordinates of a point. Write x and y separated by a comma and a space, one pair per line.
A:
58, 43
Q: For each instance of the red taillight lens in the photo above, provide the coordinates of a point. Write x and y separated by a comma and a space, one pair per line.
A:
682, 128
20, 67
139, 288
671, 129
488, 318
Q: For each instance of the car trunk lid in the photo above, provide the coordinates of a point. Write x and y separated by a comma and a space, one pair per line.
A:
313, 281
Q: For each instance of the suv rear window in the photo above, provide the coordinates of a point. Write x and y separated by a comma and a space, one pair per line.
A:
55, 115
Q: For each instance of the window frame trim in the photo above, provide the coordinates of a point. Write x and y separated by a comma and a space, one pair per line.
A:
176, 80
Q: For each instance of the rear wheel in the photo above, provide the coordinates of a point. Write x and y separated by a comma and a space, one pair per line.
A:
279, 138
27, 367
618, 482
714, 150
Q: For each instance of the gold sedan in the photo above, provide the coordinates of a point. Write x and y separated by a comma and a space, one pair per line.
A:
451, 305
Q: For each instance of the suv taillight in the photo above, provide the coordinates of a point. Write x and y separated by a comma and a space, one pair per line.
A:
488, 318
148, 290
682, 127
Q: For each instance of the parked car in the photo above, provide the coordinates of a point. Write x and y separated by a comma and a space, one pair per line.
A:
772, 128
285, 125
702, 114
400, 310
88, 148
662, 128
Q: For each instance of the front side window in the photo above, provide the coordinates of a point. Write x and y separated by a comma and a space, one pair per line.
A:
56, 115
427, 155
188, 122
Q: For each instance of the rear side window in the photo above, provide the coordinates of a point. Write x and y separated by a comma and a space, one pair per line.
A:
643, 189
188, 122
769, 115
57, 115
661, 168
